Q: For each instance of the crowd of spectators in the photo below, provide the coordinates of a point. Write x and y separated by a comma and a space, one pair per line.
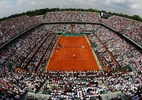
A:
14, 86
87, 85
124, 52
69, 16
71, 28
19, 48
12, 27
28, 52
91, 84
127, 83
127, 27
103, 55
71, 85
31, 51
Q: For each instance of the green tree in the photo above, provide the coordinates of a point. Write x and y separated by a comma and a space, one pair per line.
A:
137, 17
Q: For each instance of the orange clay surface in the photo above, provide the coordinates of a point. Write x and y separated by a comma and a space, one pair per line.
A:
63, 60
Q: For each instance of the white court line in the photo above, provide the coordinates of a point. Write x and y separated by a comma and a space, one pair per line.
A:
64, 49
47, 65
82, 51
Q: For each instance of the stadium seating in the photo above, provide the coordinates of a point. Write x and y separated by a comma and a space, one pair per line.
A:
12, 27
22, 62
128, 27
72, 16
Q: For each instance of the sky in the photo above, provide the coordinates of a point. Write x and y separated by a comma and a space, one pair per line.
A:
130, 7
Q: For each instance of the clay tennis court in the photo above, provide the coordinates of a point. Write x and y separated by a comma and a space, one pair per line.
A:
72, 54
